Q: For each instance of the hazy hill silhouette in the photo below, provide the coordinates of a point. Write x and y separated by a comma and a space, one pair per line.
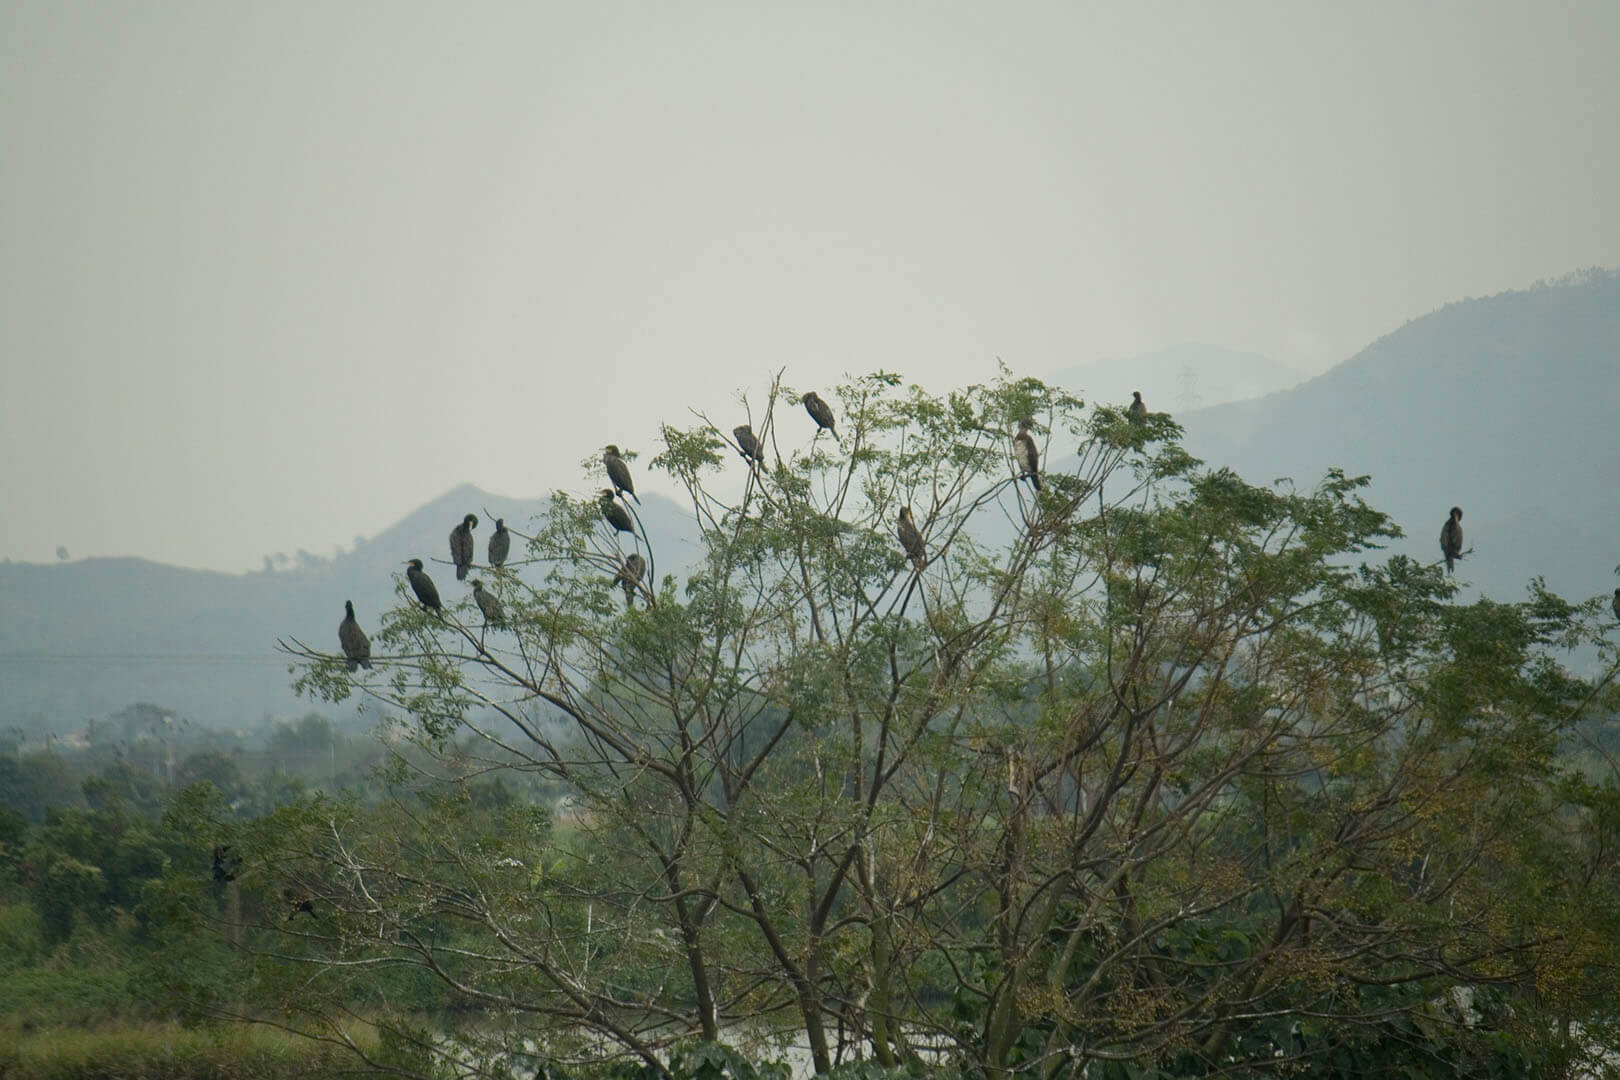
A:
1506, 406
1181, 377
84, 639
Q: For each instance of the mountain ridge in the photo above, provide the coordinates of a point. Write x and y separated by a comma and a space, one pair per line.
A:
203, 642
1169, 376
1503, 405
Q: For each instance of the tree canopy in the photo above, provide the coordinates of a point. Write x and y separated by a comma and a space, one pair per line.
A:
1152, 768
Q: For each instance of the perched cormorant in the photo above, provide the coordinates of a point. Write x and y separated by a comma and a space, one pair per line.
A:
615, 515
1029, 458
226, 865
489, 604
629, 576
356, 649
1451, 539
819, 412
422, 585
1617, 603
461, 545
618, 471
912, 540
1137, 411
748, 443
298, 900
500, 543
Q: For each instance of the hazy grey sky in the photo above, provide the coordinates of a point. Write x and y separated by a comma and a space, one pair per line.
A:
273, 274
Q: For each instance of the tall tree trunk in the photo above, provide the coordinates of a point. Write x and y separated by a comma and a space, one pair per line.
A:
810, 1005
708, 1019
881, 1007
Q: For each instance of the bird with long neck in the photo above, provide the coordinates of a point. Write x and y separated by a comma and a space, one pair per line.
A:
1028, 456
489, 604
911, 539
427, 594
356, 647
500, 543
748, 443
629, 577
821, 413
1451, 539
615, 514
226, 864
618, 472
461, 545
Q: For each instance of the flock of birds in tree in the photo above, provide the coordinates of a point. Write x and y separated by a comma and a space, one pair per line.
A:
1026, 455
357, 647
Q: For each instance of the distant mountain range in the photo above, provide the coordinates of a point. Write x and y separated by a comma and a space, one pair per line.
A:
1180, 378
80, 640
1506, 406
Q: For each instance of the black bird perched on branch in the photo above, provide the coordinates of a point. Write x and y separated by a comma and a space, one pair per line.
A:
614, 514
226, 864
461, 545
356, 649
748, 443
1617, 603
1029, 457
298, 900
912, 540
489, 604
500, 543
629, 577
820, 412
1137, 411
618, 472
422, 585
1451, 539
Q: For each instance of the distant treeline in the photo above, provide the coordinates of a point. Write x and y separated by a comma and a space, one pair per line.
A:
92, 867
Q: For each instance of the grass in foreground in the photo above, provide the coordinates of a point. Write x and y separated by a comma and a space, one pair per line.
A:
162, 1051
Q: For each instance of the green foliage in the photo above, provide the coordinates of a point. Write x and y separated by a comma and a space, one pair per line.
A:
31, 783
13, 830
716, 1061
22, 937
164, 1052
1153, 772
64, 992
66, 887
212, 767
866, 1070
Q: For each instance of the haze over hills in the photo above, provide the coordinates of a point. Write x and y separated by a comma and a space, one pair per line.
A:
1505, 406
83, 639
1181, 377
1508, 406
